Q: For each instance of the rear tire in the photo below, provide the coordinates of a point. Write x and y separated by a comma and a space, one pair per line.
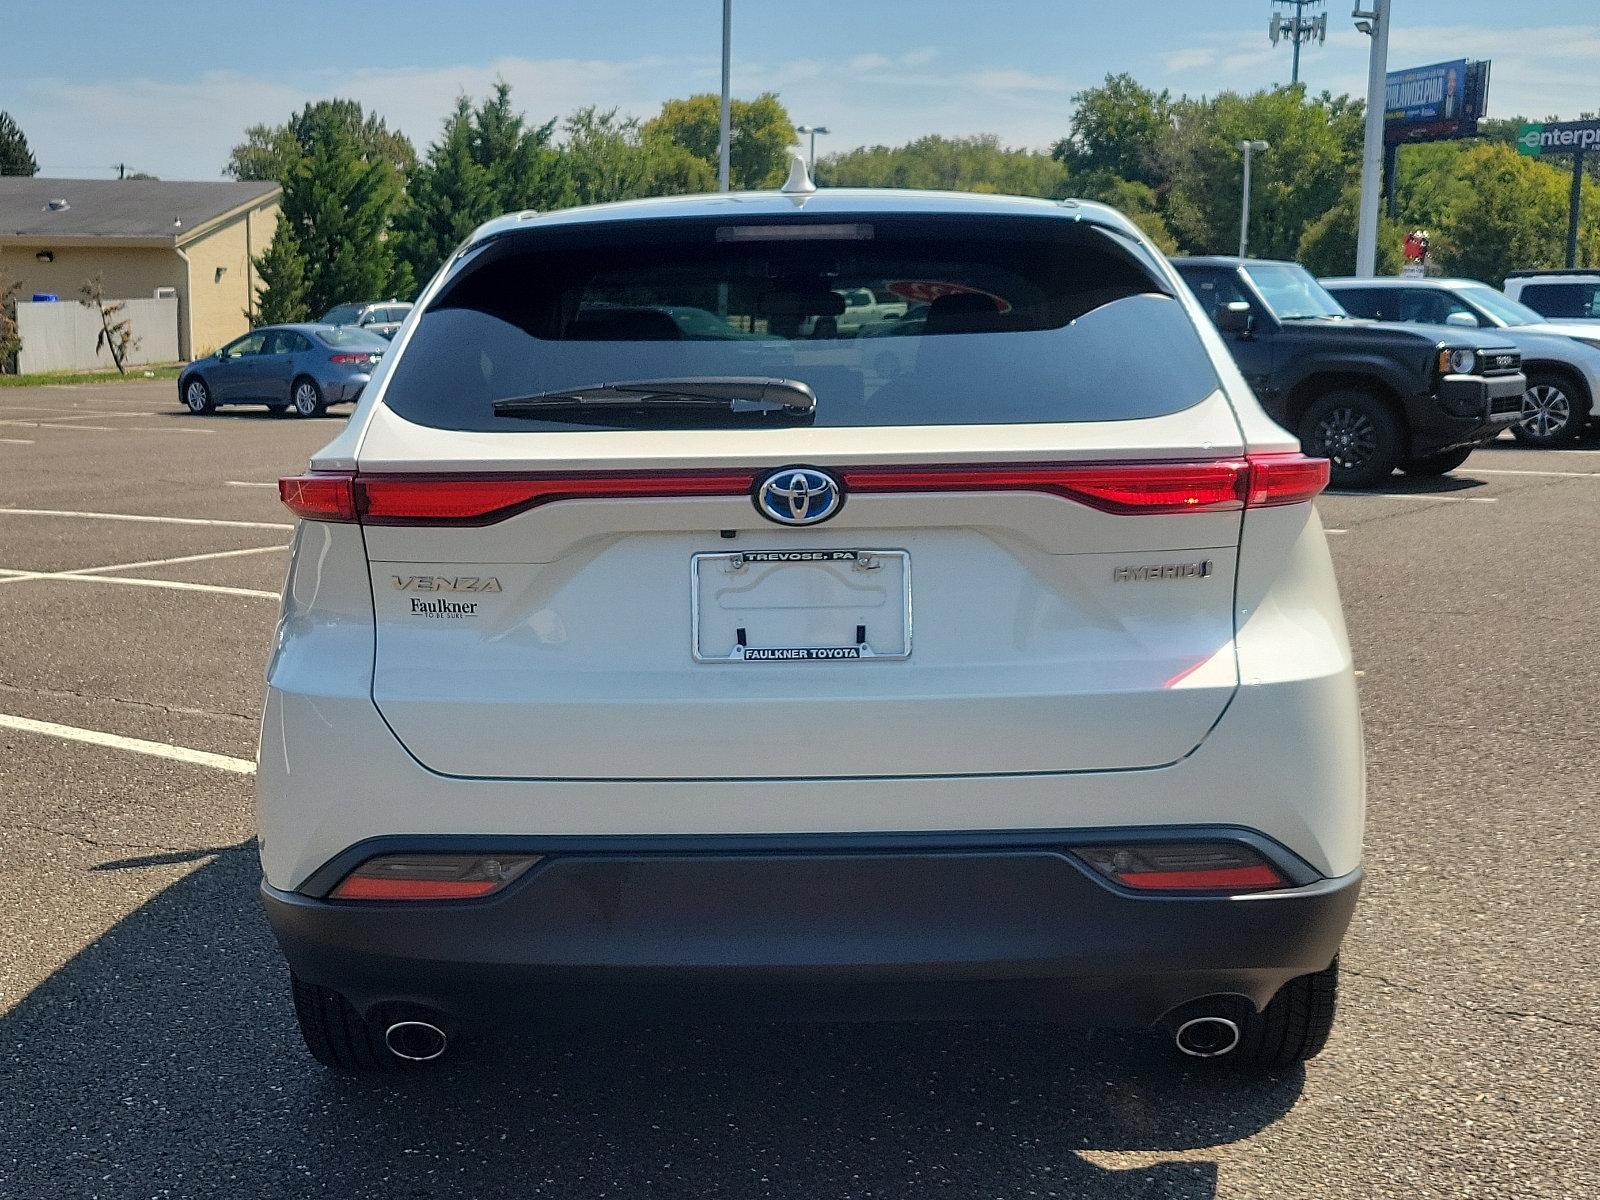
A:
1551, 413
1358, 433
337, 1035
197, 396
1291, 1029
305, 398
1437, 464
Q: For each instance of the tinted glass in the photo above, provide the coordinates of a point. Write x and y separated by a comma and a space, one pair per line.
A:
341, 314
250, 343
1291, 292
352, 337
1376, 303
1430, 306
1213, 287
990, 322
1564, 299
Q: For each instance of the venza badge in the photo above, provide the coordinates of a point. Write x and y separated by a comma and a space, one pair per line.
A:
798, 496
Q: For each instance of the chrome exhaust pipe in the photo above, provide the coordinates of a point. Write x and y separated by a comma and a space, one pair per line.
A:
1206, 1037
415, 1041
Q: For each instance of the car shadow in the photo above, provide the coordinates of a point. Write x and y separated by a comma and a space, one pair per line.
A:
1418, 485
163, 1059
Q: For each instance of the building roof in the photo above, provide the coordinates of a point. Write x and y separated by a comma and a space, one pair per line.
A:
120, 210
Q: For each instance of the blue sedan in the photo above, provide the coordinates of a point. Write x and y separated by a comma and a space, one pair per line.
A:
290, 368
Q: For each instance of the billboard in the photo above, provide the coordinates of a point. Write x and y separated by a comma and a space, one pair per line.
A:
1441, 100
1425, 95
1558, 137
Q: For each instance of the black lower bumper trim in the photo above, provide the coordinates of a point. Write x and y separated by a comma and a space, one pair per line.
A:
1026, 933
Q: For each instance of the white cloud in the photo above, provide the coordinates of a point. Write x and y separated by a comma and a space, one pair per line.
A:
1189, 59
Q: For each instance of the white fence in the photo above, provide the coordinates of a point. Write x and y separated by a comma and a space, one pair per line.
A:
61, 335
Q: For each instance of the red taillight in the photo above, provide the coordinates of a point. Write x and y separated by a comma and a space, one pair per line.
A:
329, 497
347, 359
1184, 867
431, 876
1154, 488
1285, 479
409, 500
1118, 488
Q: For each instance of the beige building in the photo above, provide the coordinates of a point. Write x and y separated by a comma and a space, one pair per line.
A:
144, 238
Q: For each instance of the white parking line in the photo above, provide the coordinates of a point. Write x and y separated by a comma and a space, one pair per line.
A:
17, 441
1418, 496
167, 562
73, 428
1551, 474
203, 758
248, 483
177, 585
103, 516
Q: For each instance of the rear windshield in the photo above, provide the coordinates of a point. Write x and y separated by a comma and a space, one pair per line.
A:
341, 314
894, 322
1580, 300
353, 337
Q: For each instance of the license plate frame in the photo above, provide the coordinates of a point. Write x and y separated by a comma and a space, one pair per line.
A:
886, 649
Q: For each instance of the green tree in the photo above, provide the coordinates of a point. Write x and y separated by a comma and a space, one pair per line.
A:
270, 152
1117, 129
611, 157
1328, 245
488, 160
1513, 215
341, 191
1134, 200
15, 157
978, 163
281, 269
1315, 152
761, 135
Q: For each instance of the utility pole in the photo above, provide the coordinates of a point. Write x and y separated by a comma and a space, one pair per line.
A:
1244, 206
1374, 22
725, 144
1299, 29
813, 130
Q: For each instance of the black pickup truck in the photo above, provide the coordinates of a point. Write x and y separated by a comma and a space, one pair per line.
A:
1368, 395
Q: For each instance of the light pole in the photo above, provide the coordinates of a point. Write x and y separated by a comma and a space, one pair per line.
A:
1249, 148
813, 130
725, 140
1374, 22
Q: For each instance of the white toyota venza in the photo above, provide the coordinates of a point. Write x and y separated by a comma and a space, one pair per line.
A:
657, 643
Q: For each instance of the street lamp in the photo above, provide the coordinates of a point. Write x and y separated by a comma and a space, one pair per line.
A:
1249, 147
813, 130
725, 115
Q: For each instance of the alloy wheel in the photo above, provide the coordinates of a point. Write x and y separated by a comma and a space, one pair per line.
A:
1546, 411
195, 396
1348, 437
305, 400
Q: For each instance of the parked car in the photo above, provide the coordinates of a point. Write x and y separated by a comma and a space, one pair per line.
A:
382, 317
1370, 395
1569, 295
1560, 359
290, 368
596, 685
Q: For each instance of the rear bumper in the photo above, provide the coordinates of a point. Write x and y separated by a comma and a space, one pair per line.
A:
929, 930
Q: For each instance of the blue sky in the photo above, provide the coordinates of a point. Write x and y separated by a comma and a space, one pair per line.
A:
168, 87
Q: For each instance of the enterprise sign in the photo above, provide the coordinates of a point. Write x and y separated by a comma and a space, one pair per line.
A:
1562, 137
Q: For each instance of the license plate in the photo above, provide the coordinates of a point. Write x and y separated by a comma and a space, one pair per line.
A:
801, 605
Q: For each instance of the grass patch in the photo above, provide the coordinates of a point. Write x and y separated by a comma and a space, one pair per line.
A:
147, 371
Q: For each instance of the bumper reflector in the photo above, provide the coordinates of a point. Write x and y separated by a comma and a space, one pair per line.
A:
1184, 867
431, 877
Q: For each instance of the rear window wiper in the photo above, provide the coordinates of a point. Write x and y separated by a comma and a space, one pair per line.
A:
756, 395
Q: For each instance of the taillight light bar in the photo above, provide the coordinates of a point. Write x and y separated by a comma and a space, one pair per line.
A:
1221, 485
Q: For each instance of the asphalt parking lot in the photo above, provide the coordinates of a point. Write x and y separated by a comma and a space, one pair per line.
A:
147, 1047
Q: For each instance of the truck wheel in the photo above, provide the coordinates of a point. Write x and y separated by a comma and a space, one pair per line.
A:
1355, 431
1550, 415
1437, 464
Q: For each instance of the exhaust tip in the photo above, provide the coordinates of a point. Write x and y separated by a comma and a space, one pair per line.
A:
1206, 1037
415, 1041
